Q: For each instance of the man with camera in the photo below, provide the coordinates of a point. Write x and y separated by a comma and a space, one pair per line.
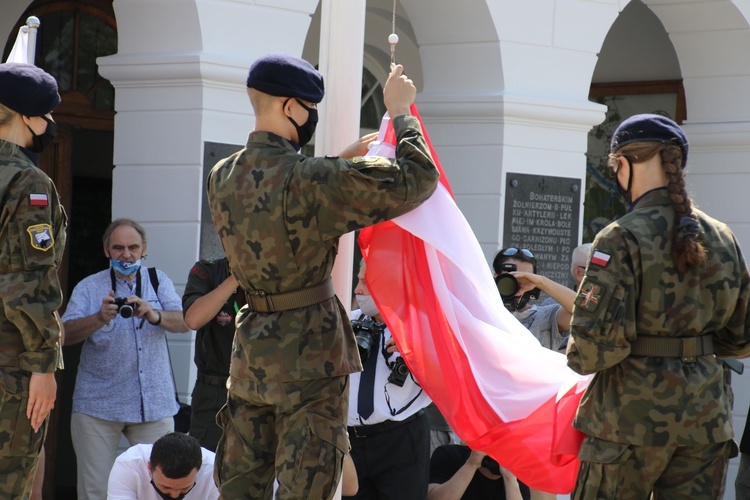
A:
518, 283
124, 383
459, 473
388, 429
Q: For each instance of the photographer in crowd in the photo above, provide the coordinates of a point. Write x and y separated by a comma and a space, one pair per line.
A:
124, 383
459, 473
388, 429
518, 284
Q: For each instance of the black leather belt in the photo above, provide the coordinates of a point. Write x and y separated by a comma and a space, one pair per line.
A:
212, 380
687, 348
262, 301
363, 431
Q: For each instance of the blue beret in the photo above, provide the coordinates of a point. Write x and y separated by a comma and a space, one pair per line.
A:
27, 90
650, 128
283, 75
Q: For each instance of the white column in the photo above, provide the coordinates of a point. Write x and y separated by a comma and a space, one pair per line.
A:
342, 35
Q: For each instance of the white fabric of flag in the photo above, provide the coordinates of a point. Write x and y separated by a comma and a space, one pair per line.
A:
20, 51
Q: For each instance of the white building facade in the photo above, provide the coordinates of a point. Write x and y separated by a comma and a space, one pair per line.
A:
504, 88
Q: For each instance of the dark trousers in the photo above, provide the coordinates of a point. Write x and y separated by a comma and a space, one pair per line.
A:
393, 464
206, 403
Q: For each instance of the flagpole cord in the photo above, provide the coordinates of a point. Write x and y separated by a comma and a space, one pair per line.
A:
393, 37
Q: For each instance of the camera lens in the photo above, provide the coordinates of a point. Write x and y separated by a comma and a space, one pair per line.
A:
507, 285
401, 369
126, 311
364, 344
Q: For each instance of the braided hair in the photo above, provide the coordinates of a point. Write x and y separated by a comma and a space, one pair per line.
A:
687, 250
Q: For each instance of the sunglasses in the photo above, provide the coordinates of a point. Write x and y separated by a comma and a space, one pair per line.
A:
508, 252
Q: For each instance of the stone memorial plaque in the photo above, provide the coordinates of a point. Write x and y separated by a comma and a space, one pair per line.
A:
541, 214
210, 245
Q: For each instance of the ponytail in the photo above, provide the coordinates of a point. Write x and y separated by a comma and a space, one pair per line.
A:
687, 249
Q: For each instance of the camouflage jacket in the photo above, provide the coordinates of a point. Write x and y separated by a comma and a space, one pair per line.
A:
632, 288
279, 215
32, 232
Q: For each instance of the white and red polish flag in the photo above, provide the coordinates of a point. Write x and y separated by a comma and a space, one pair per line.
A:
500, 390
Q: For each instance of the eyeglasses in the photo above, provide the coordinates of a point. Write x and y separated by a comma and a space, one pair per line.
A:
513, 251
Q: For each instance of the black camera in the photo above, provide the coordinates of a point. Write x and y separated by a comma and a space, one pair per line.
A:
399, 372
491, 465
508, 286
125, 309
366, 331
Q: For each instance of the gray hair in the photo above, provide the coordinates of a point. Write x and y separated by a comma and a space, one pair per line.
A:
123, 222
580, 256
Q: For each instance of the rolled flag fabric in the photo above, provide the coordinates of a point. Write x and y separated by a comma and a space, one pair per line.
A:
20, 51
498, 388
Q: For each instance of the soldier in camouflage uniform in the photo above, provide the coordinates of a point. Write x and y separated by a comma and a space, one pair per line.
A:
665, 294
32, 229
279, 215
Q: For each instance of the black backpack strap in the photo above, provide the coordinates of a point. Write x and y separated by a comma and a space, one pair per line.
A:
154, 278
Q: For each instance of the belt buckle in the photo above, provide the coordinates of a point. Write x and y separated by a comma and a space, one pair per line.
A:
265, 296
356, 434
689, 349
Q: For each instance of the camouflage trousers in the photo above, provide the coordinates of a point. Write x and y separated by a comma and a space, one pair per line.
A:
19, 446
293, 431
628, 472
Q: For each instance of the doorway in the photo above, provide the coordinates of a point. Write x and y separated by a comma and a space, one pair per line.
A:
71, 36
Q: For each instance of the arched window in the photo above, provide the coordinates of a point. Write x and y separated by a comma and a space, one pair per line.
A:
71, 36
373, 107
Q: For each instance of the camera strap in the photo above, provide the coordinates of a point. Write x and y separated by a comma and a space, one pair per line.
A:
387, 355
151, 274
405, 407
137, 282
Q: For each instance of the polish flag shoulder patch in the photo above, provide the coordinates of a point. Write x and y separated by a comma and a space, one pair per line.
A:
600, 259
38, 200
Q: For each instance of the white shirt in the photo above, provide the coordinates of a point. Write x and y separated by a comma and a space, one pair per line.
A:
130, 478
388, 397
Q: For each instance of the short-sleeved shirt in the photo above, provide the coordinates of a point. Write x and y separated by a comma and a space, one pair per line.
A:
213, 341
541, 321
280, 215
32, 231
632, 288
124, 373
447, 459
130, 478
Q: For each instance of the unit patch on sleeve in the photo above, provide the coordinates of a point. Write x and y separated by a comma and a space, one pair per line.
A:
589, 296
368, 160
41, 236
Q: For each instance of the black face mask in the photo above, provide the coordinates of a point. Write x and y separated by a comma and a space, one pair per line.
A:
515, 303
40, 142
306, 131
625, 193
167, 497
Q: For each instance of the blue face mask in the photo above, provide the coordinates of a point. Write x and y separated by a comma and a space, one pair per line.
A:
125, 268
